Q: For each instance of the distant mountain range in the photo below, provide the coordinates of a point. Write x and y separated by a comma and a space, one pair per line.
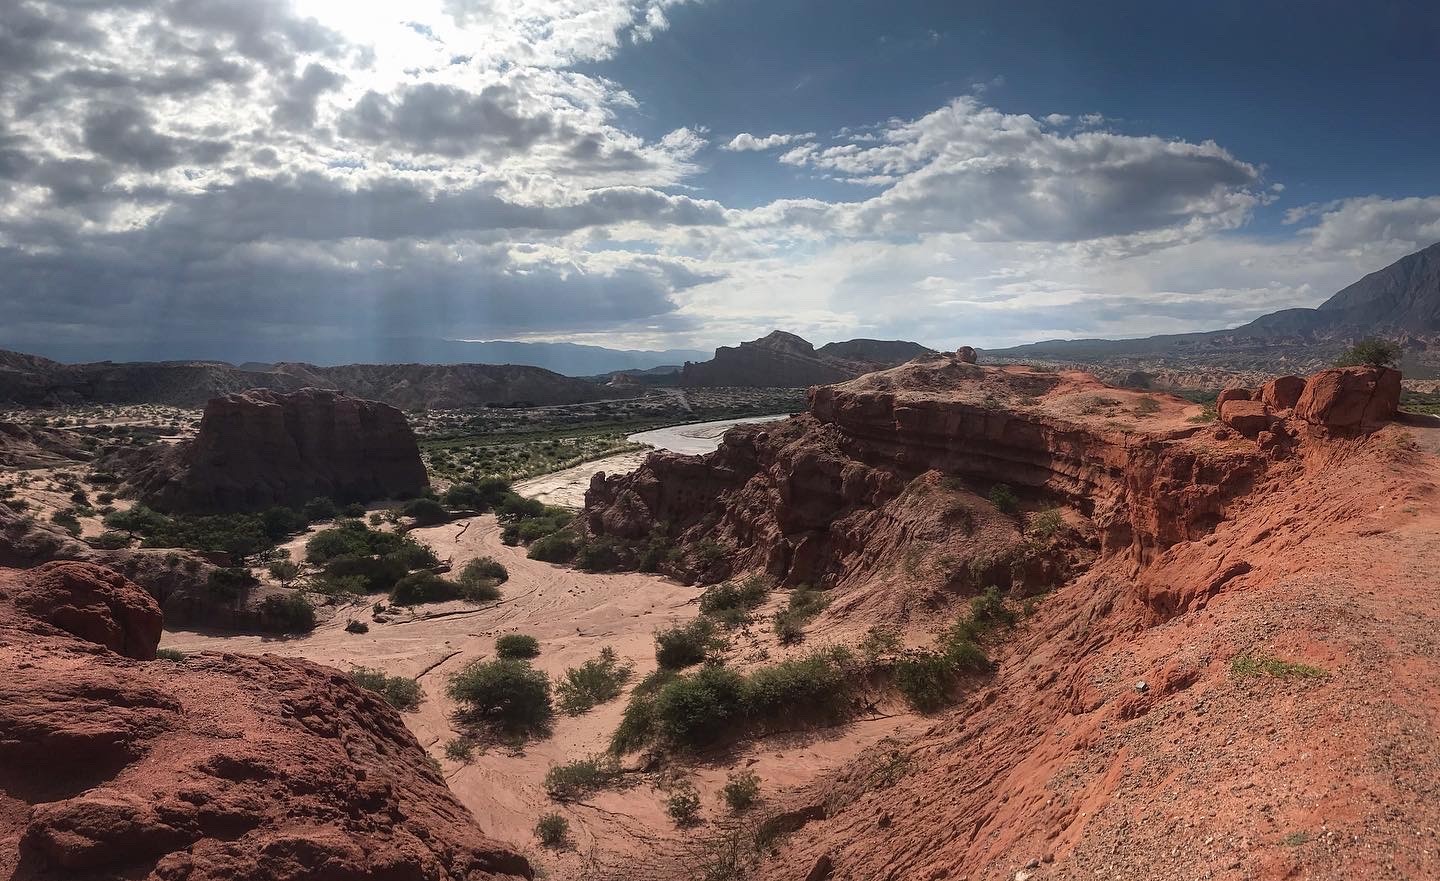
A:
570, 359
1400, 302
784, 360
29, 380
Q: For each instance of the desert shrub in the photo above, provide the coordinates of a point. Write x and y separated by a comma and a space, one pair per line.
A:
284, 571
339, 585
169, 655
110, 540
741, 790
279, 522
805, 603
1252, 664
683, 805
320, 508
1371, 352
400, 692
730, 604
925, 678
552, 830
1003, 498
656, 552
66, 520
558, 547
507, 694
287, 613
105, 498
517, 645
425, 511
686, 644
482, 495
637, 723
228, 583
480, 592
484, 568
814, 687
708, 552
581, 777
880, 641
353, 626
423, 587
353, 509
461, 749
603, 554
698, 708
594, 682
1044, 524
1147, 406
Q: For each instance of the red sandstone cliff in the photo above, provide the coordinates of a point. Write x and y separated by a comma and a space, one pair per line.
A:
261, 448
217, 768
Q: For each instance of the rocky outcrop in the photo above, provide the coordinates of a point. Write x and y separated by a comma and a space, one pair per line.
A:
784, 360
263, 448
1348, 400
217, 768
812, 498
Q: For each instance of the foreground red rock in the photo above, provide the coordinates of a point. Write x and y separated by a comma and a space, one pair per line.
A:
219, 767
261, 448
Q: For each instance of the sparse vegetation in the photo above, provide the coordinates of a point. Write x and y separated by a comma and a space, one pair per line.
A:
741, 790
287, 613
423, 587
805, 603
926, 677
1044, 524
400, 692
1004, 499
425, 511
1256, 664
557, 547
581, 777
553, 831
461, 749
687, 644
1371, 352
683, 805
730, 604
517, 645
594, 682
353, 626
506, 695
169, 655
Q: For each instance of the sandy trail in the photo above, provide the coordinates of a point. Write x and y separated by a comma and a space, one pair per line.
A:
567, 488
573, 614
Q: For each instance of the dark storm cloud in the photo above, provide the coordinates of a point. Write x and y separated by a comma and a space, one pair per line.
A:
448, 121
127, 136
295, 108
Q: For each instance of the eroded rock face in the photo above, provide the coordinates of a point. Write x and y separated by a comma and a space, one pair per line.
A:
1247, 417
795, 497
261, 448
217, 768
1282, 392
1349, 400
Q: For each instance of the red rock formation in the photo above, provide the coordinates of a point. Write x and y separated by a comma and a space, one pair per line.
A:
1347, 400
1246, 416
218, 768
263, 448
1282, 392
784, 360
965, 355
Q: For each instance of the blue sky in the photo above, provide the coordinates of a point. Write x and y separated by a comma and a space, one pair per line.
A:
669, 173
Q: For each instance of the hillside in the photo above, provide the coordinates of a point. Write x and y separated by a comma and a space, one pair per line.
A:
784, 360
1400, 301
1201, 677
28, 380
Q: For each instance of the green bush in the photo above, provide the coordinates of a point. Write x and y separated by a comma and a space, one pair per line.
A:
594, 682
288, 613
925, 678
66, 520
482, 495
423, 587
506, 694
582, 777
603, 554
110, 540
815, 687
637, 723
169, 655
685, 645
558, 547
805, 603
480, 579
553, 830
279, 522
229, 584
1371, 352
426, 512
1004, 499
1044, 524
741, 790
320, 508
284, 571
461, 749
730, 604
517, 645
698, 708
400, 692
683, 805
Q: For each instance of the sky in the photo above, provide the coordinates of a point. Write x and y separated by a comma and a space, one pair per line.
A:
180, 175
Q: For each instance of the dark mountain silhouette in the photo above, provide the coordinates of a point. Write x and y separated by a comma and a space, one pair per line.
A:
784, 360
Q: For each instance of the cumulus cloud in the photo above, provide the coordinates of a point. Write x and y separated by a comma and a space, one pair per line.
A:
747, 142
